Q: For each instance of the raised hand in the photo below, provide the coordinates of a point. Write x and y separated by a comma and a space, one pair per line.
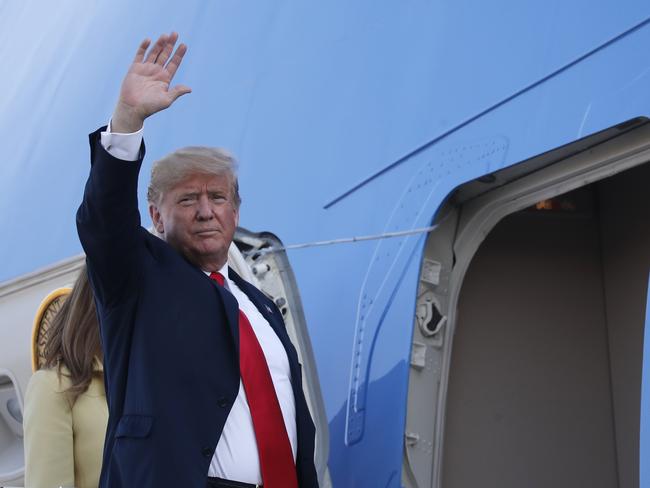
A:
146, 86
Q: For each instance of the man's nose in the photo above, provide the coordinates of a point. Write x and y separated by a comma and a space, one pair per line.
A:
204, 209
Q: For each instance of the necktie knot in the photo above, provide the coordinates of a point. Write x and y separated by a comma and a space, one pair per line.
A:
218, 277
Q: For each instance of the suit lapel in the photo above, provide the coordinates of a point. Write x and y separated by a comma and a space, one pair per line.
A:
231, 307
272, 315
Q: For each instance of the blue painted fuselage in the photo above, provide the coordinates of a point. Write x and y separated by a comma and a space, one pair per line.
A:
343, 116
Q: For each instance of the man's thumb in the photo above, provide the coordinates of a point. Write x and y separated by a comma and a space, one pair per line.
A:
179, 91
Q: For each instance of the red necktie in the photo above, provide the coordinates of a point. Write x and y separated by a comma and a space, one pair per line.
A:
273, 445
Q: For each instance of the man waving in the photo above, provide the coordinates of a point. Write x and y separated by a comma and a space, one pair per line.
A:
202, 382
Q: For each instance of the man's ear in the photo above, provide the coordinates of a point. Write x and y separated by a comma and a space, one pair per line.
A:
236, 217
156, 218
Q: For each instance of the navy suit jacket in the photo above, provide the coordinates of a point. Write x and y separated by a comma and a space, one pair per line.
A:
170, 341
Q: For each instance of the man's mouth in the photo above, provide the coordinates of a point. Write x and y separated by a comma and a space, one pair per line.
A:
207, 232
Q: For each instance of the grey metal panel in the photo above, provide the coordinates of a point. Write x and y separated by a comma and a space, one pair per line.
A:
430, 337
529, 396
512, 173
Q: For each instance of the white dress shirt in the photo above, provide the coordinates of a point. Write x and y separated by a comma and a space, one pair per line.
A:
236, 457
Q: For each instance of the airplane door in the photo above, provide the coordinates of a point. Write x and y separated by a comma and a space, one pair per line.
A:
537, 283
644, 454
271, 272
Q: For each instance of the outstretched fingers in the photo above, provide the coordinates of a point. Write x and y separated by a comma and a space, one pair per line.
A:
176, 60
167, 49
139, 55
156, 49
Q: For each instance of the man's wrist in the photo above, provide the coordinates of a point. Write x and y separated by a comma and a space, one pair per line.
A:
125, 121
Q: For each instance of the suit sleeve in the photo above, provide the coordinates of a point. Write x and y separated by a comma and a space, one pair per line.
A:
49, 453
108, 222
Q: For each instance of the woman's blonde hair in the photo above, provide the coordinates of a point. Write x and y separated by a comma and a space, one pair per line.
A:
73, 338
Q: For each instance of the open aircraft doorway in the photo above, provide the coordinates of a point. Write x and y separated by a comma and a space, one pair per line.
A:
527, 357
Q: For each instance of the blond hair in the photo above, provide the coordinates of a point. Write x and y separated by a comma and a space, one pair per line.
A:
170, 170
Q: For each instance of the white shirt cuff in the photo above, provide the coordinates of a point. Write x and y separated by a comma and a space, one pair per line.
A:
122, 146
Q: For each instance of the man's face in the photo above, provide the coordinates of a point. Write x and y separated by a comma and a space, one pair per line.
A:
198, 218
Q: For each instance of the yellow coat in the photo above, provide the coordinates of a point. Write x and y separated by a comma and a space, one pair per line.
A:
63, 444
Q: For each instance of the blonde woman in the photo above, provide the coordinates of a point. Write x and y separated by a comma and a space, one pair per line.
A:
65, 403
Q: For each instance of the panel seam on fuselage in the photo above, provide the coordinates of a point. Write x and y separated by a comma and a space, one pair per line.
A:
491, 108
